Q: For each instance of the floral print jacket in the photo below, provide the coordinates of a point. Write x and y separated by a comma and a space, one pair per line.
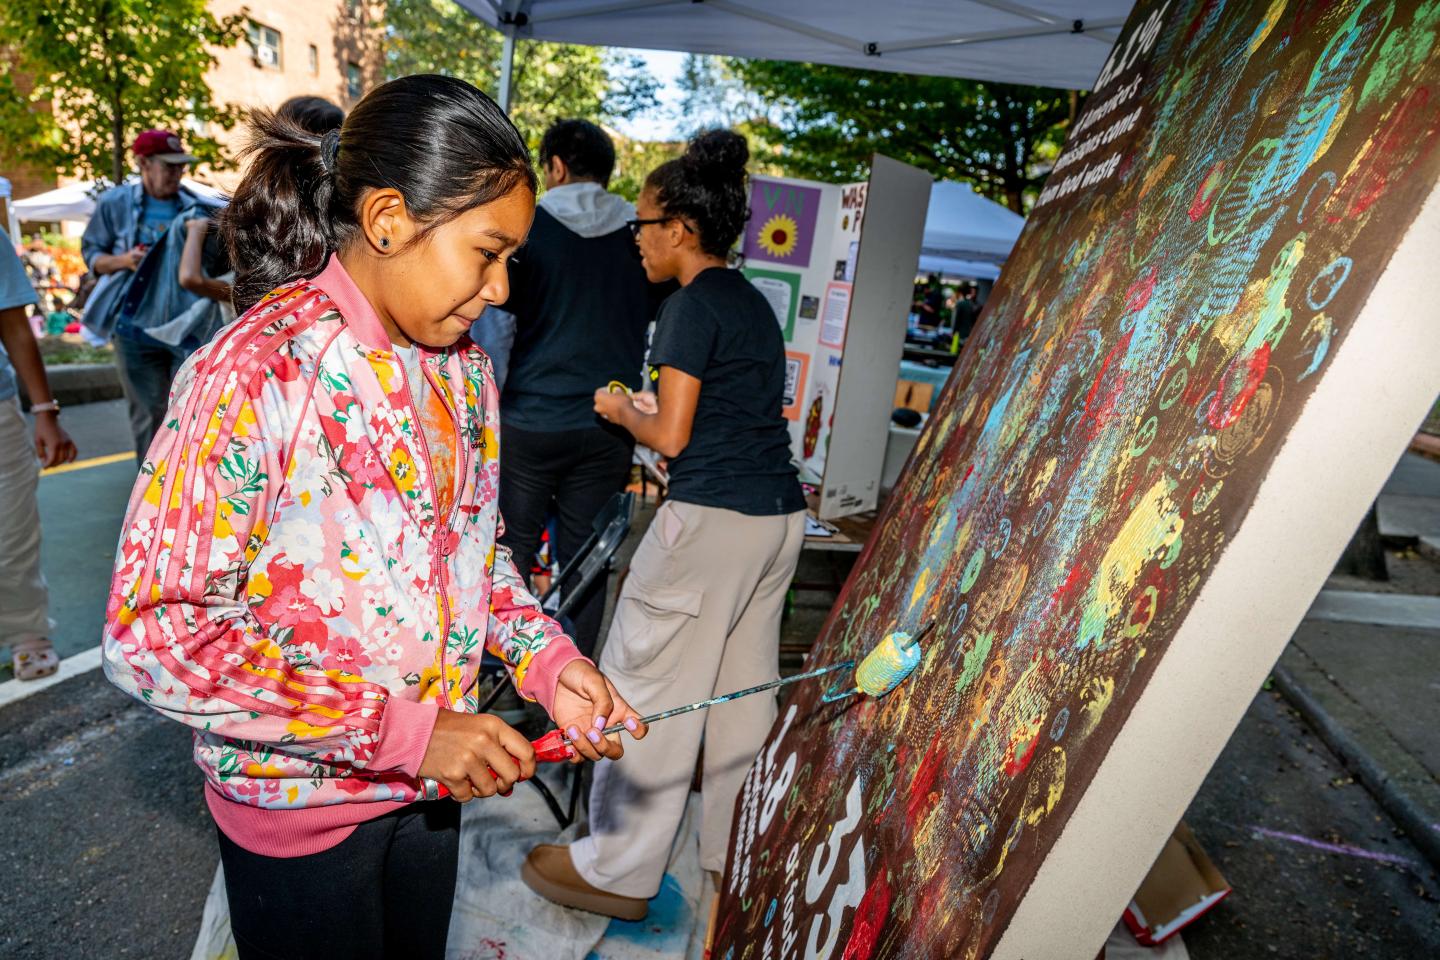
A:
286, 583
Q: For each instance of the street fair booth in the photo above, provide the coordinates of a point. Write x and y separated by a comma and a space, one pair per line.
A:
836, 264
1051, 43
966, 235
75, 202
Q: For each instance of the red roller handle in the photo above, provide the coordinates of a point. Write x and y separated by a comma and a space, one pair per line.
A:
551, 748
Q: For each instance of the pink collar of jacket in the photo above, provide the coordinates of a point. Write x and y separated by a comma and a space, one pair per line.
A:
337, 284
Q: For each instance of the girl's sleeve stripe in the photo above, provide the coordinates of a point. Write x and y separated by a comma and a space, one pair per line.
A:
214, 644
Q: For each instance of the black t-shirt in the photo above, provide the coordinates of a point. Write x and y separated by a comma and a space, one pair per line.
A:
722, 331
965, 313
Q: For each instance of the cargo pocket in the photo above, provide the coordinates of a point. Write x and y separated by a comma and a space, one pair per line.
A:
653, 622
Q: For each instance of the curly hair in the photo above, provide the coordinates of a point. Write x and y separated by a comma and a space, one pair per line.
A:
707, 187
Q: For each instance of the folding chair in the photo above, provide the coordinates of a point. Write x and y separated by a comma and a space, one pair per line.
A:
592, 560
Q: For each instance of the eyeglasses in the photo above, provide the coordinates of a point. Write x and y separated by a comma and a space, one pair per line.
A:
635, 225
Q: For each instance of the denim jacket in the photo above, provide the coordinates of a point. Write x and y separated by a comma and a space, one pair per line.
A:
151, 291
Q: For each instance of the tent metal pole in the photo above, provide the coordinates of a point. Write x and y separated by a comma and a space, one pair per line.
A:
507, 68
966, 39
1040, 16
785, 23
620, 6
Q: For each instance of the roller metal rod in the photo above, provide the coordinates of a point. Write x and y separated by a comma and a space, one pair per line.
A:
726, 698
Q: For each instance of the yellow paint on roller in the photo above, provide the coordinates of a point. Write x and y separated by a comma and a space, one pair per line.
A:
889, 663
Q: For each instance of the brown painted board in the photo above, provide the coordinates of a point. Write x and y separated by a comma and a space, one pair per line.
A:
1213, 340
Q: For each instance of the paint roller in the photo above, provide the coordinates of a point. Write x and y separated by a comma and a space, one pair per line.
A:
881, 671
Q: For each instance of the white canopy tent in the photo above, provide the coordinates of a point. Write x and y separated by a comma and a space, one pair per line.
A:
966, 235
76, 202
1055, 43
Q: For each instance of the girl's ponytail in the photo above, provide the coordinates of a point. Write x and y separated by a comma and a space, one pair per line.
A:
278, 226
444, 145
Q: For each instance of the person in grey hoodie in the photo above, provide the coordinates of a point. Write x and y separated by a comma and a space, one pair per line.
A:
581, 306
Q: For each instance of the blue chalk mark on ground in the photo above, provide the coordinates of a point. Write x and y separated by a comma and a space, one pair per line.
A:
770, 911
665, 930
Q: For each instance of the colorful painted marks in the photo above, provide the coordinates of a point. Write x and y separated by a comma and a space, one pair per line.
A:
1237, 182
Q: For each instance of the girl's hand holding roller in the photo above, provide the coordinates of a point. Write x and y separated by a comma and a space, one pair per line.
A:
585, 703
465, 748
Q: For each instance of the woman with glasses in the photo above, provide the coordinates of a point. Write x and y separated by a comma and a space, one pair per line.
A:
700, 610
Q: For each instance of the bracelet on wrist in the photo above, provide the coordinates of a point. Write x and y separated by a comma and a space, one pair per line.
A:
50, 406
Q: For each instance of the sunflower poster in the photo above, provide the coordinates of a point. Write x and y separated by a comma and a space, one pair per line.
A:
782, 222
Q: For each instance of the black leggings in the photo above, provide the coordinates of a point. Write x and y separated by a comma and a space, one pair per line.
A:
577, 470
385, 891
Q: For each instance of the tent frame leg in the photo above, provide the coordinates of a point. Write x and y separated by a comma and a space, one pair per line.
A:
507, 70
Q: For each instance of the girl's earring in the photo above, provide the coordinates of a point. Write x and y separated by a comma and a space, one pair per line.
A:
385, 243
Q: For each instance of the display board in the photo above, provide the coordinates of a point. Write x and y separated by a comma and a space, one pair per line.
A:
787, 249
881, 263
1212, 342
802, 251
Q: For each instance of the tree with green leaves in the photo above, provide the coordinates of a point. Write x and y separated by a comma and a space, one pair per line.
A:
551, 81
84, 77
825, 122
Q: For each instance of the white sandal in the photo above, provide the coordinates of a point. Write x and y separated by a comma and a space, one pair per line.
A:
33, 659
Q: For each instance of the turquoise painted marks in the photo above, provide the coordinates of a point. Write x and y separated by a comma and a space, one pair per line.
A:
665, 931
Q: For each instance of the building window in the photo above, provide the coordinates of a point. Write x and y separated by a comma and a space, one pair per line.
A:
265, 46
314, 60
354, 85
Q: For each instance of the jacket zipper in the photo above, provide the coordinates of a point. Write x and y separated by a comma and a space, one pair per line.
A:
437, 545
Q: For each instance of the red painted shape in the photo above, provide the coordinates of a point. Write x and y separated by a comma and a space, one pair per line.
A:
1221, 414
1071, 580
1386, 159
924, 782
1199, 20
870, 918
1102, 411
1139, 293
1016, 764
1206, 194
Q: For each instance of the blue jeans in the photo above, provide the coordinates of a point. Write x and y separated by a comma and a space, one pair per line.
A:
147, 369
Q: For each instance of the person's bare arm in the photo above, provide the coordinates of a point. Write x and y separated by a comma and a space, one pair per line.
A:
192, 270
667, 430
115, 262
52, 443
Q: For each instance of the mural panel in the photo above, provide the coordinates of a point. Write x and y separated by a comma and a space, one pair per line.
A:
1235, 184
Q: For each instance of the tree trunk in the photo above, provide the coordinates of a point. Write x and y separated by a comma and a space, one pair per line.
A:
117, 142
1365, 555
1015, 198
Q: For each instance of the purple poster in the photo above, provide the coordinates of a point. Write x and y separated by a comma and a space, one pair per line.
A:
782, 222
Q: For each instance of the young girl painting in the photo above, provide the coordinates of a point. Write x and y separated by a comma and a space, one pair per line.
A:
308, 573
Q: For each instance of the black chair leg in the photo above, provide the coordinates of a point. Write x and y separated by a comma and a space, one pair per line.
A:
552, 803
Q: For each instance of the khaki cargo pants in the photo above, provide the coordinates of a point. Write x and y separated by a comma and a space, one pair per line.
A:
699, 615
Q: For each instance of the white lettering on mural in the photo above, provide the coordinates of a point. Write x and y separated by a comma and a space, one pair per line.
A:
758, 788
1064, 178
825, 928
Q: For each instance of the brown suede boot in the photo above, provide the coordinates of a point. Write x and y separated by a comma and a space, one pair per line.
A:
550, 872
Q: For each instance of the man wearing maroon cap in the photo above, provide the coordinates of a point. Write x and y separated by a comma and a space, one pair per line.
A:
132, 245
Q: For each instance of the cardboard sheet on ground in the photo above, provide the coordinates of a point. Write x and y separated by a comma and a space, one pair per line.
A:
1210, 344
496, 917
